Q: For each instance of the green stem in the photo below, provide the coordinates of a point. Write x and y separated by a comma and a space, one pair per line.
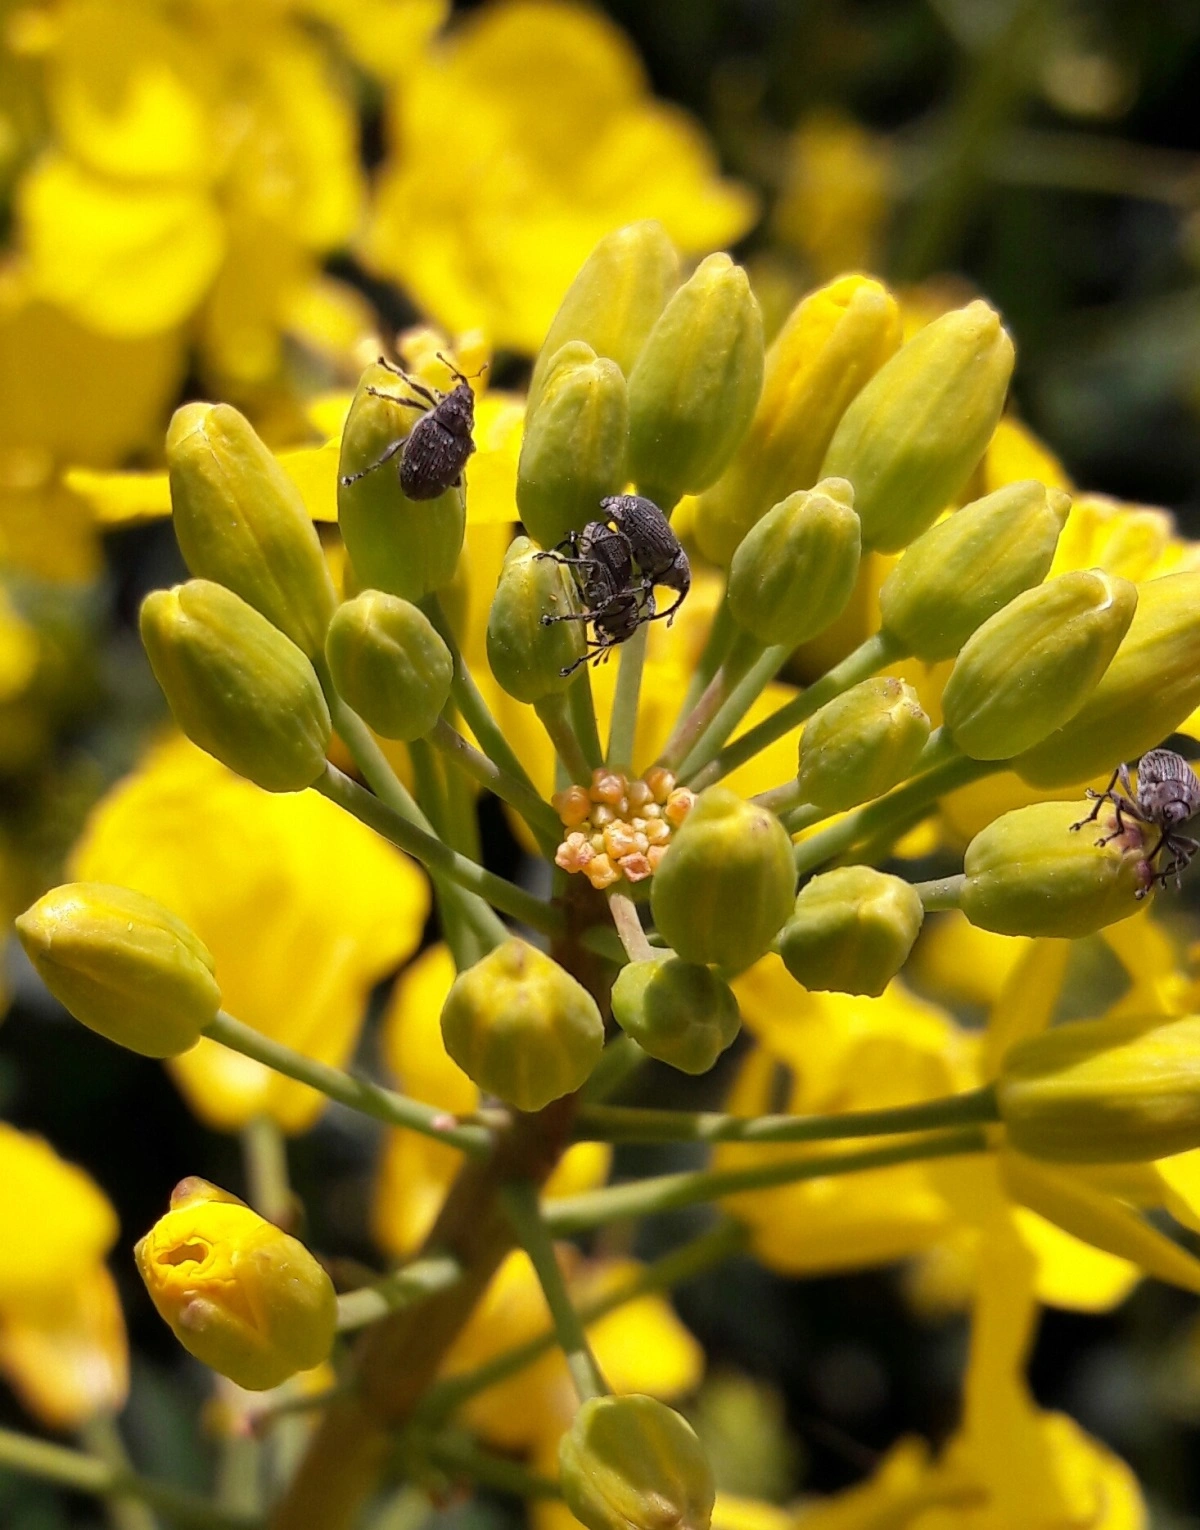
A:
622, 729
867, 658
742, 653
620, 1060
944, 892
669, 1192
520, 1201
629, 927
720, 639
690, 1259
403, 1288
539, 815
264, 1157
618, 1123
583, 718
431, 793
741, 699
461, 1455
555, 716
802, 817
782, 800
358, 1093
83, 1473
435, 855
102, 1438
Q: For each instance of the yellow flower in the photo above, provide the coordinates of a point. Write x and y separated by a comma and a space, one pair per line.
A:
62, 1337
485, 211
302, 907
835, 195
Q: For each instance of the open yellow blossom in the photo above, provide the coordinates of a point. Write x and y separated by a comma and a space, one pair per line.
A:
302, 908
62, 1337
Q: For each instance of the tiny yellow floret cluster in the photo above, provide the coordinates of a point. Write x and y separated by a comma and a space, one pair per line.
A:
619, 827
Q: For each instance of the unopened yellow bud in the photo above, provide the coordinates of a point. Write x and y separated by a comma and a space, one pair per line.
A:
1119, 1090
696, 383
406, 547
527, 656
521, 1027
726, 883
1033, 665
612, 304
912, 437
240, 521
679, 1012
851, 931
238, 688
1027, 873
632, 1463
573, 451
795, 570
122, 965
239, 1294
389, 663
861, 744
969, 566
835, 340
1147, 690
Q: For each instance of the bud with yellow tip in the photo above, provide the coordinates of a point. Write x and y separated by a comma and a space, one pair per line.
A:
696, 382
632, 1463
241, 522
966, 568
795, 571
1027, 873
679, 1012
123, 965
526, 655
726, 884
1119, 1090
834, 340
237, 686
851, 931
521, 1027
389, 663
239, 1294
911, 439
1033, 665
861, 744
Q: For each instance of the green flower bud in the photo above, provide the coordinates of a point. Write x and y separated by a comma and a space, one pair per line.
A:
526, 657
403, 546
240, 521
795, 571
237, 686
835, 339
726, 883
389, 663
677, 1011
632, 1463
1120, 1090
696, 382
573, 452
911, 439
612, 304
861, 744
122, 965
1034, 664
969, 566
1147, 691
521, 1027
1028, 874
239, 1294
851, 931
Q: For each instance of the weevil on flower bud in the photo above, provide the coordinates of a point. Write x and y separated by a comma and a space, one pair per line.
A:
655, 547
1167, 794
601, 560
434, 453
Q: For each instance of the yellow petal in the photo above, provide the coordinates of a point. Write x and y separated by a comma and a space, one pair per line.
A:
1070, 1273
121, 499
64, 1351
68, 1221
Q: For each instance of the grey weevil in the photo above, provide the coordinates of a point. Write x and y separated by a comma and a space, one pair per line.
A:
602, 562
436, 449
1167, 794
655, 546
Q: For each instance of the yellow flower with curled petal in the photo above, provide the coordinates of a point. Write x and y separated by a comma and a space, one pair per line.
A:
302, 907
62, 1337
486, 209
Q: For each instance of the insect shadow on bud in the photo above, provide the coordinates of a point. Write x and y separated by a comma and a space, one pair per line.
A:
435, 451
1167, 794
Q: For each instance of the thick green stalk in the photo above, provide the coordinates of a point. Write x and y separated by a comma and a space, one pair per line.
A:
669, 1192
358, 1093
539, 815
622, 732
583, 717
554, 714
944, 892
403, 1288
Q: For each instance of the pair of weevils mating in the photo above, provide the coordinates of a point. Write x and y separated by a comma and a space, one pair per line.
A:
1167, 795
616, 567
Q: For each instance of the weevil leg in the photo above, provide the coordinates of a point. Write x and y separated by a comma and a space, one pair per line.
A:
1099, 799
406, 403
417, 387
349, 478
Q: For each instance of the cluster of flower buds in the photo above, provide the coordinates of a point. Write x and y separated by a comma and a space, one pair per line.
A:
620, 828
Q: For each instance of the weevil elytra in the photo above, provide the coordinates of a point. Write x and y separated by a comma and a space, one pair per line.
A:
435, 451
656, 549
1167, 794
601, 561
